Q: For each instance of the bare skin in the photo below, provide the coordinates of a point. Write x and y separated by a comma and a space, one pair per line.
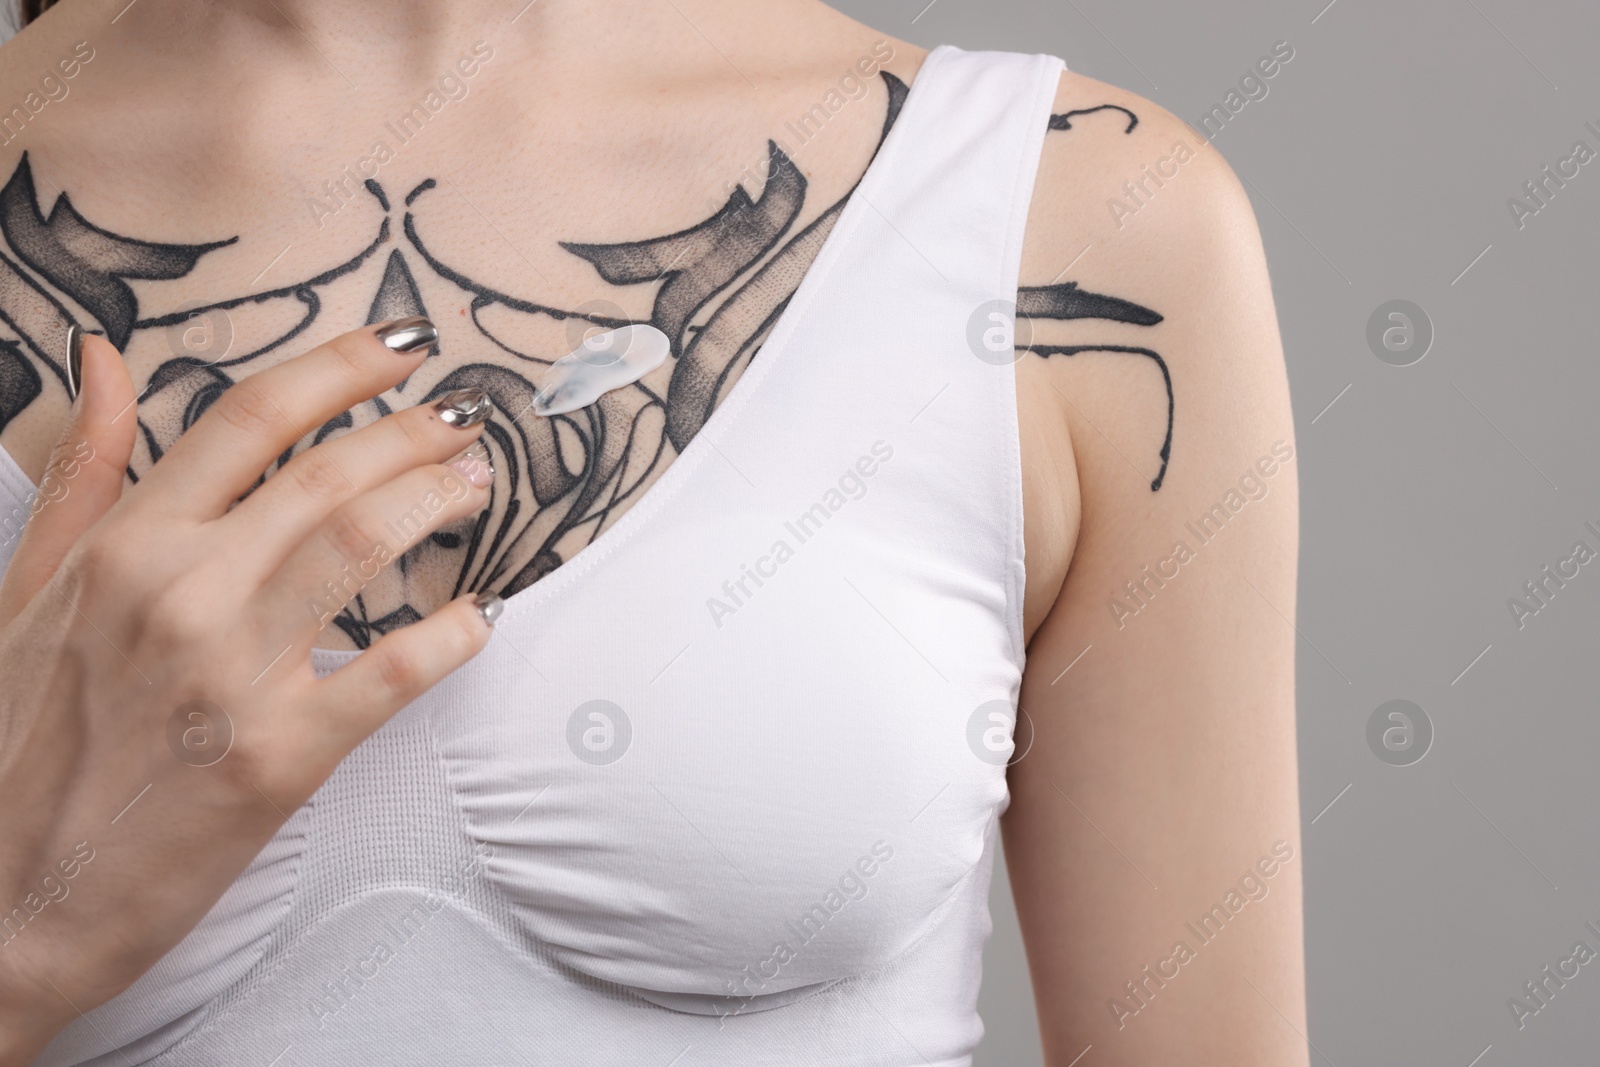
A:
1163, 762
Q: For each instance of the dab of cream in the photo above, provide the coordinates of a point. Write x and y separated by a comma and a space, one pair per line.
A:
602, 363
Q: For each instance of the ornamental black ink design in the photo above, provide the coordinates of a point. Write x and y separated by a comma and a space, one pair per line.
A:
83, 261
1067, 301
721, 285
1064, 121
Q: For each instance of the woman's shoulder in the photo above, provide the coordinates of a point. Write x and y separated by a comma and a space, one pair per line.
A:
1139, 214
1125, 176
1147, 313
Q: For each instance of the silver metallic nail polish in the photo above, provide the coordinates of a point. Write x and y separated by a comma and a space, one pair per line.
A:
489, 606
408, 334
464, 408
74, 360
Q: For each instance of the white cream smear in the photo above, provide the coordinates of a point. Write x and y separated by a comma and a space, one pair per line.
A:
602, 363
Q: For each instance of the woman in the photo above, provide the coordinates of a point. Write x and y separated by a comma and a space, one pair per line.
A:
673, 727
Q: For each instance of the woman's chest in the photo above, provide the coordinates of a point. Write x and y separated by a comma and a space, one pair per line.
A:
740, 758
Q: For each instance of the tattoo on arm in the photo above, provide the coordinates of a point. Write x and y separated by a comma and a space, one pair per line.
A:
1066, 301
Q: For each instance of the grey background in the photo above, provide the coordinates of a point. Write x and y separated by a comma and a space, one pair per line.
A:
1380, 165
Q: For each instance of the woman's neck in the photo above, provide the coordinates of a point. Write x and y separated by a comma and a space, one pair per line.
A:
385, 43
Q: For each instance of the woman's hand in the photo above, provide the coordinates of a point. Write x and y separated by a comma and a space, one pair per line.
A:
159, 716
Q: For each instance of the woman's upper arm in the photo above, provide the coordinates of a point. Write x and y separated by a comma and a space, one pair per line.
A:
1153, 836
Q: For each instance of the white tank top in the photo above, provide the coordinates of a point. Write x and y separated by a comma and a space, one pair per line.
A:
717, 791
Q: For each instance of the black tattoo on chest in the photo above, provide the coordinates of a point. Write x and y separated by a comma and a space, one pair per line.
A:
720, 287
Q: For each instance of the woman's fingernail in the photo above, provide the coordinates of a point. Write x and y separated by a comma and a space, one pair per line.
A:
464, 408
409, 334
474, 464
74, 361
489, 606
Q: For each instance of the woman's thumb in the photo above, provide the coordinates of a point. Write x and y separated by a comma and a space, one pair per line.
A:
84, 477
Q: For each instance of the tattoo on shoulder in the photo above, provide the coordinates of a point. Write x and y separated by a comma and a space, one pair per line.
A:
1064, 300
